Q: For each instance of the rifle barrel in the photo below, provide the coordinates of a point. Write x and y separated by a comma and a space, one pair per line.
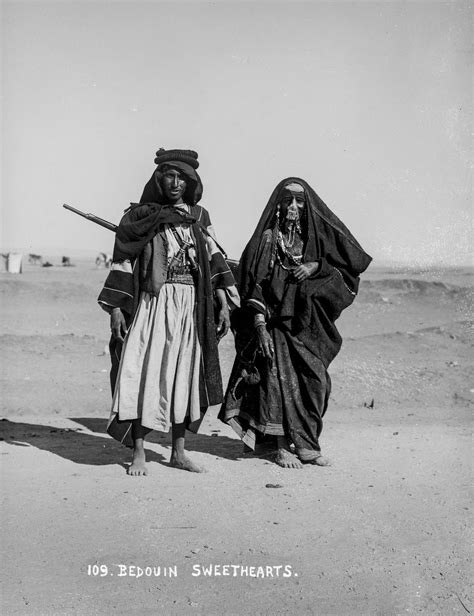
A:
99, 221
73, 209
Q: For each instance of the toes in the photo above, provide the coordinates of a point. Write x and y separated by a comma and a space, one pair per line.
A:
186, 465
136, 472
288, 460
321, 461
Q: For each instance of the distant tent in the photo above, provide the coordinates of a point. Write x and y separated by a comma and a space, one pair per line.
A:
14, 263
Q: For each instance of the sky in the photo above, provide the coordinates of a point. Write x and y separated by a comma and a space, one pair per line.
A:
369, 102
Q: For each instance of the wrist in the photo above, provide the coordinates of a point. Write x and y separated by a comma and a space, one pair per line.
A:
220, 296
224, 308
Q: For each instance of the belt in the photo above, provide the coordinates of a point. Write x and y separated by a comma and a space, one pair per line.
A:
180, 274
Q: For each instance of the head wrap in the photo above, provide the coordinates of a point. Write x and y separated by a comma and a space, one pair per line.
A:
190, 157
185, 161
327, 237
294, 187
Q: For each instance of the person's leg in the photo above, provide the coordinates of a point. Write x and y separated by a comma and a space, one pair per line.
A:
179, 459
306, 387
138, 466
274, 382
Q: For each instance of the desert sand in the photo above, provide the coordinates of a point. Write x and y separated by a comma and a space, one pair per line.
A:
383, 531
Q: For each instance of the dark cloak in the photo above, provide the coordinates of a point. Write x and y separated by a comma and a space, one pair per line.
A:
310, 309
305, 313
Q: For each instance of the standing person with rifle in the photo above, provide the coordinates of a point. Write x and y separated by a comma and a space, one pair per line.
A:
167, 294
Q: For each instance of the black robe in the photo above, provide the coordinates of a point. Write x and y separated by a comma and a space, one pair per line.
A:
291, 397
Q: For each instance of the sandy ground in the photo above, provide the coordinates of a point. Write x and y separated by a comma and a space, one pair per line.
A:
383, 531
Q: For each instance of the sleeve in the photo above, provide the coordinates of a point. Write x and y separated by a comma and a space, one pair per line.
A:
255, 298
119, 288
221, 273
328, 292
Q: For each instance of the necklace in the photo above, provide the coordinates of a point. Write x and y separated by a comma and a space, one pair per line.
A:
294, 260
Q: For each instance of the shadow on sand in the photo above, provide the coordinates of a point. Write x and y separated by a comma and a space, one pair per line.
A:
215, 444
81, 447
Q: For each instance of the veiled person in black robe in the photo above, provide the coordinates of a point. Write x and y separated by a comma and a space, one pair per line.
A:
298, 272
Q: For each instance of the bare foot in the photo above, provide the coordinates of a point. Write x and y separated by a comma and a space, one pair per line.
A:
286, 459
185, 464
321, 461
137, 467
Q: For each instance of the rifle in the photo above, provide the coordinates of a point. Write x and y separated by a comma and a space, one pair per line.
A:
111, 227
99, 221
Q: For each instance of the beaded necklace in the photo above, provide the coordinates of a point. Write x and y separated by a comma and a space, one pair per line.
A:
294, 260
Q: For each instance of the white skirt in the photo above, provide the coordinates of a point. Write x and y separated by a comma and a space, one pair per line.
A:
158, 378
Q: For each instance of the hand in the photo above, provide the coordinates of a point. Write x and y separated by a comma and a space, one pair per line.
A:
223, 323
265, 343
118, 326
305, 270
